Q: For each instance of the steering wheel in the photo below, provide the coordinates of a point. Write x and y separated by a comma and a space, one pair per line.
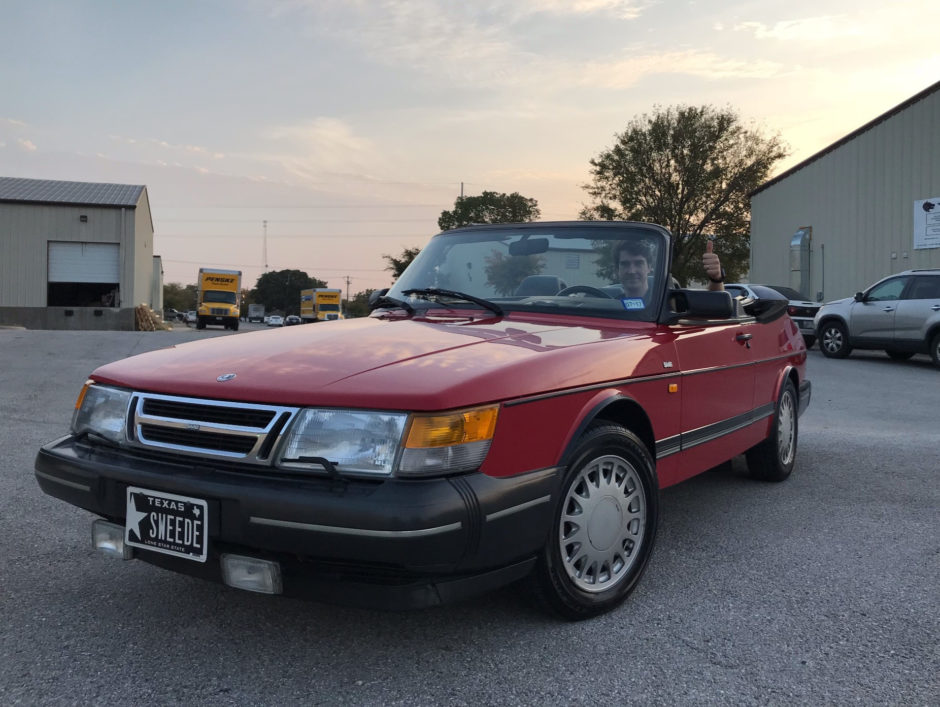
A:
583, 289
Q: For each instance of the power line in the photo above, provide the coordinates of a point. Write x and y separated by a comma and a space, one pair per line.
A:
258, 267
274, 207
338, 236
297, 220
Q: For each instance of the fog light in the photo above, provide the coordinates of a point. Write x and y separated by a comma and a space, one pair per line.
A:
108, 538
251, 574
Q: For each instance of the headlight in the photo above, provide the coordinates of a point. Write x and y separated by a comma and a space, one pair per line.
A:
448, 443
353, 440
102, 411
364, 442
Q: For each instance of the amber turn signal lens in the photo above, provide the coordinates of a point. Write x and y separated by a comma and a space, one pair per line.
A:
81, 394
474, 425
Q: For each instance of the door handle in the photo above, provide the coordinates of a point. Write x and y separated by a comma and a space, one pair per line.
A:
935, 307
887, 309
744, 339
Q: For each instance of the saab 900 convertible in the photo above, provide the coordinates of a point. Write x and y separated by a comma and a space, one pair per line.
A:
510, 409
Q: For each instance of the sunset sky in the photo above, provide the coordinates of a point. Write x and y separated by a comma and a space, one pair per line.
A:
349, 125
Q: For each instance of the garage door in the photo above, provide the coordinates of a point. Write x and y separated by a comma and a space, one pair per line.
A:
84, 262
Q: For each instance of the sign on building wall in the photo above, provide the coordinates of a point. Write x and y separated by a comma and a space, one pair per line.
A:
927, 223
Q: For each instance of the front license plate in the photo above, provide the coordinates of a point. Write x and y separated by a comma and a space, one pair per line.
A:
164, 522
806, 325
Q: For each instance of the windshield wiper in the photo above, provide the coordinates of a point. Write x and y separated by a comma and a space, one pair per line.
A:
453, 294
386, 301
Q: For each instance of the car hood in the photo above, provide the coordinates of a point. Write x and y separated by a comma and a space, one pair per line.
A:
415, 364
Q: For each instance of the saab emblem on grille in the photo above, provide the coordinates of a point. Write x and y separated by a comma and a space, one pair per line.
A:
192, 426
225, 377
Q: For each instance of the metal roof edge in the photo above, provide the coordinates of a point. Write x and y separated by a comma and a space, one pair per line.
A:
848, 138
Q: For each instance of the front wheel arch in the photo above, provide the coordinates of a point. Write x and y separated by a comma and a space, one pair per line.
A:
619, 410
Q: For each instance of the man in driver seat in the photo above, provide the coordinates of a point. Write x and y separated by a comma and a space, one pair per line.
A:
634, 267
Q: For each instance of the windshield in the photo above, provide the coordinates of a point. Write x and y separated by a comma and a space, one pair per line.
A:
218, 296
608, 269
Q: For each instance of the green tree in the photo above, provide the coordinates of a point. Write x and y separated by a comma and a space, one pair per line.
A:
279, 290
689, 169
358, 306
505, 273
179, 297
489, 207
397, 265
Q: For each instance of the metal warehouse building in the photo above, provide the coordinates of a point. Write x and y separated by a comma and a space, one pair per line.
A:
76, 255
865, 207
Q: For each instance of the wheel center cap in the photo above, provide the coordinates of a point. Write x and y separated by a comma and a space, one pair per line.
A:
604, 526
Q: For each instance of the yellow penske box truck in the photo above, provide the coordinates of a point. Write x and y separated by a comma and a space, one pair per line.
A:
218, 292
320, 304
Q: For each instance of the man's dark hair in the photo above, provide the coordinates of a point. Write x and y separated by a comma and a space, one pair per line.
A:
634, 247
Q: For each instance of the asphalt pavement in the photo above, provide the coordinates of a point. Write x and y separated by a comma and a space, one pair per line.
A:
824, 589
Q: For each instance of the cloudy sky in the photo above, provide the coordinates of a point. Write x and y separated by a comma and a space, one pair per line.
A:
322, 134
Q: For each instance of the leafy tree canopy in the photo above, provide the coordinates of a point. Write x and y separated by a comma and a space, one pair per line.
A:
397, 265
489, 207
358, 306
689, 169
182, 298
505, 273
279, 290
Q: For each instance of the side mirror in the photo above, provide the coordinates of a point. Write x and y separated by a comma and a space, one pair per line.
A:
702, 304
859, 297
375, 295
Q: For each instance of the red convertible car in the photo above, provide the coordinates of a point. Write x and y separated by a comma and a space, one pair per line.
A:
510, 409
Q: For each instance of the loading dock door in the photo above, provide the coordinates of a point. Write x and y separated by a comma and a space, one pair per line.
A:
84, 274
84, 262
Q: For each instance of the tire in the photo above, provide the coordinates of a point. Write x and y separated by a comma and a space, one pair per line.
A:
809, 340
773, 459
834, 340
235, 325
935, 349
200, 323
896, 355
589, 566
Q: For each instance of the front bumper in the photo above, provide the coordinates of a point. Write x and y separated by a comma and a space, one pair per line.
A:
390, 544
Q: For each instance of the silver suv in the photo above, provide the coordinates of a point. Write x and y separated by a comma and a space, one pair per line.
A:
900, 314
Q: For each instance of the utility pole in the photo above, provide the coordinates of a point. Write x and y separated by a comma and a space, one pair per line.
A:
264, 226
347, 291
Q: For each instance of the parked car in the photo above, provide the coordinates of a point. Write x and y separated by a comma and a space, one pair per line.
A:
899, 313
275, 320
486, 423
801, 310
191, 317
170, 315
291, 320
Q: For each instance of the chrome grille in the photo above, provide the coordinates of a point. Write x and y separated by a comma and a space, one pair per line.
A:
207, 412
208, 428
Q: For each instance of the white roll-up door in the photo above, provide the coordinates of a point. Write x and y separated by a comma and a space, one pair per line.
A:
84, 262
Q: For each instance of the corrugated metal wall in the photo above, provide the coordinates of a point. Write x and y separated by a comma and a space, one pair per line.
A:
859, 201
26, 229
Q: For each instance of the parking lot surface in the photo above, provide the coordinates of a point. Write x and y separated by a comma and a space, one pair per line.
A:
824, 589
